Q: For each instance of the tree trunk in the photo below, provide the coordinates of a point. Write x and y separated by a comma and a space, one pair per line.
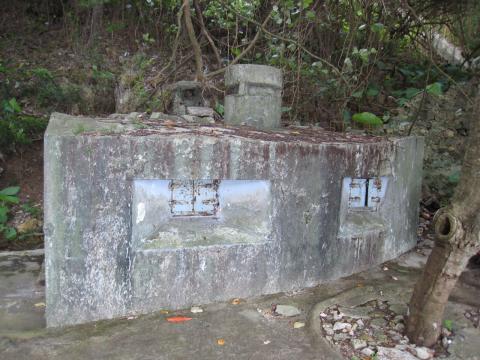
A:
193, 40
457, 231
96, 22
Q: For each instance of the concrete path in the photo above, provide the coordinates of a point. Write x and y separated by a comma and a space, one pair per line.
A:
246, 332
247, 329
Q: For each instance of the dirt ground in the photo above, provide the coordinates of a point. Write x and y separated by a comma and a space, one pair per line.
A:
24, 168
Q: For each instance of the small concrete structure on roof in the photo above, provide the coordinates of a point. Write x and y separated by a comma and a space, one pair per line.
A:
186, 94
146, 215
254, 96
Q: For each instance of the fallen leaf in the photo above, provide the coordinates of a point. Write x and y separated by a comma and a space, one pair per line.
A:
169, 123
298, 324
178, 319
266, 342
236, 301
221, 342
163, 311
28, 226
40, 304
131, 317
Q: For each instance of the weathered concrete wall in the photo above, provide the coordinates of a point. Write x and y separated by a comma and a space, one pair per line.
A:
96, 269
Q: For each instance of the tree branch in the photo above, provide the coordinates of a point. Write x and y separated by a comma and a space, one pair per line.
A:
157, 78
206, 33
245, 51
300, 46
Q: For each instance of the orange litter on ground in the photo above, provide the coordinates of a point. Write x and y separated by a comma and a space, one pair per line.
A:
177, 319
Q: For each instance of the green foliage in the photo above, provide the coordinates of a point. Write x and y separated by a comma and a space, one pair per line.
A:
448, 324
31, 209
464, 28
44, 88
134, 77
434, 89
79, 129
372, 90
8, 196
11, 106
101, 75
42, 73
367, 118
15, 127
217, 14
336, 55
115, 26
454, 177
147, 39
39, 85
219, 108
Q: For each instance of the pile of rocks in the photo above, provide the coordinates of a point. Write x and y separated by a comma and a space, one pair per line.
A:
374, 329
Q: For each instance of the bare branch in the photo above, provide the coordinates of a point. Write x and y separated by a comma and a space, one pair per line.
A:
245, 51
158, 78
206, 33
300, 46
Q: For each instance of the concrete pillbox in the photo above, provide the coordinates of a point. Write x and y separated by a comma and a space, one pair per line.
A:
143, 218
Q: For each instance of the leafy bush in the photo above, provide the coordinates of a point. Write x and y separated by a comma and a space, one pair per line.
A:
367, 118
46, 90
17, 128
8, 196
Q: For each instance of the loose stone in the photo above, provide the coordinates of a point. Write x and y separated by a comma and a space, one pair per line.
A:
340, 326
298, 324
328, 330
340, 337
423, 353
393, 354
367, 352
359, 344
287, 310
378, 322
